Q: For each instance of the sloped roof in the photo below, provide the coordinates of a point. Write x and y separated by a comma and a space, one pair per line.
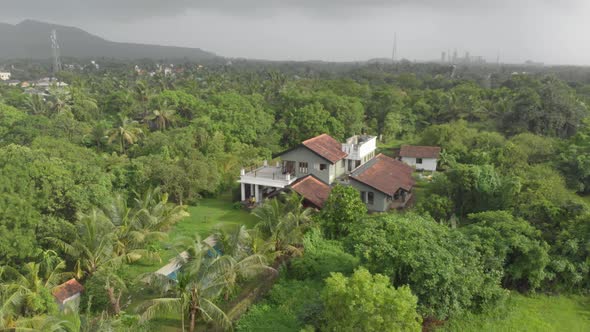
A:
67, 290
419, 151
385, 174
327, 147
313, 190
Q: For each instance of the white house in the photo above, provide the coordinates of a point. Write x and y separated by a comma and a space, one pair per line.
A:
4, 76
421, 157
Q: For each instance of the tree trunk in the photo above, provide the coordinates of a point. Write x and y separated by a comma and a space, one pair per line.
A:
115, 301
193, 318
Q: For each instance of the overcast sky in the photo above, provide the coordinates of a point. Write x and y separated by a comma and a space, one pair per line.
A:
550, 31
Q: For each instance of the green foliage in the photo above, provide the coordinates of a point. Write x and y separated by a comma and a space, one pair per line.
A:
289, 306
472, 188
321, 257
571, 256
341, 211
510, 246
263, 317
441, 266
366, 302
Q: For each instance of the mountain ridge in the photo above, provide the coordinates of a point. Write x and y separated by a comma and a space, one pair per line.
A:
29, 39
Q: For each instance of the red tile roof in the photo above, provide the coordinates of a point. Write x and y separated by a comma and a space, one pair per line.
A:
67, 290
313, 190
419, 151
327, 147
385, 174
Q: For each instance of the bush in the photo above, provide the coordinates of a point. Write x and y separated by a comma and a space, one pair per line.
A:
263, 317
321, 257
289, 306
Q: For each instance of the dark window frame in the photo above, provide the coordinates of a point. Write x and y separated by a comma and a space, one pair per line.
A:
303, 167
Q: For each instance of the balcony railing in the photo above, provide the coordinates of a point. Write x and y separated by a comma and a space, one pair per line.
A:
266, 172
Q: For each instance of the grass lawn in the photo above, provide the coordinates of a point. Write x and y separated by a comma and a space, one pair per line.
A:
534, 313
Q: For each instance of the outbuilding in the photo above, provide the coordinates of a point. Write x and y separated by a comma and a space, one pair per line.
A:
423, 158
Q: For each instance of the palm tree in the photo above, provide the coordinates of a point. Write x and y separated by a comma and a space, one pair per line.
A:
283, 223
142, 93
59, 102
127, 133
49, 323
94, 246
198, 285
238, 259
162, 118
145, 223
35, 104
28, 293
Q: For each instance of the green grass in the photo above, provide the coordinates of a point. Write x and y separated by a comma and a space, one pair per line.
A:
534, 313
211, 214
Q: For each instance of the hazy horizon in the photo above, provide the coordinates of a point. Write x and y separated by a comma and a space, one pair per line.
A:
345, 30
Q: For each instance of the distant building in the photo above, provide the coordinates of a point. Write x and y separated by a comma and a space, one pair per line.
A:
422, 157
13, 82
68, 292
5, 76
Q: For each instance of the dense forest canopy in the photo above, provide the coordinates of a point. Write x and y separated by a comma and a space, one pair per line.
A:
92, 175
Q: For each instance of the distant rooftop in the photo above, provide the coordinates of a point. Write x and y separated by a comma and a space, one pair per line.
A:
67, 290
419, 151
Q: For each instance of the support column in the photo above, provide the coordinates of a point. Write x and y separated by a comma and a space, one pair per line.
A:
257, 194
243, 187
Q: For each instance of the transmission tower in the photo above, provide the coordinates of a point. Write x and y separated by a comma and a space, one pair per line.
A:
394, 53
56, 55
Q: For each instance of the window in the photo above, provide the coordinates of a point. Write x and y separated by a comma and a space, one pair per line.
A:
418, 160
370, 198
363, 197
343, 163
303, 167
323, 167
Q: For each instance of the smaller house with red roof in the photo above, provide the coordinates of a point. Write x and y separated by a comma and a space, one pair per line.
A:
421, 157
68, 292
384, 183
313, 190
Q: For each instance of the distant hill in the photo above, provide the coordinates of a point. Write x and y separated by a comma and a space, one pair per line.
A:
30, 40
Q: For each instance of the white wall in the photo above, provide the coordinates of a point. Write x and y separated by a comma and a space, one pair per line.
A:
428, 164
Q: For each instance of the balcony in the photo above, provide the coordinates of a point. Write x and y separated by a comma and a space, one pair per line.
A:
270, 176
359, 146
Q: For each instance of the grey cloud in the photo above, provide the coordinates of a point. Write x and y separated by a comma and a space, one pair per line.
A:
134, 9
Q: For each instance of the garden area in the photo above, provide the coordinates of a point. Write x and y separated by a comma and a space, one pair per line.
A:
209, 215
